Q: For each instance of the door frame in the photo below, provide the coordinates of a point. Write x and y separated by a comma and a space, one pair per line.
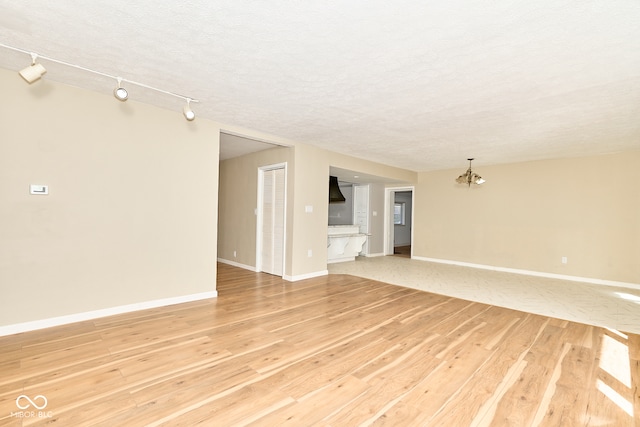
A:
260, 215
389, 200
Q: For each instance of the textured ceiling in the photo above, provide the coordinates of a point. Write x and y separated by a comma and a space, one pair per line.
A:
416, 84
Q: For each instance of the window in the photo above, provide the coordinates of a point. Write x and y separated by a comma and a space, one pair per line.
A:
398, 213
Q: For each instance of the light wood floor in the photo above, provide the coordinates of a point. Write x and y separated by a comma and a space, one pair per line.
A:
329, 351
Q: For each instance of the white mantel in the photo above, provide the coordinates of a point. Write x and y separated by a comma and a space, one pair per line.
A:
344, 242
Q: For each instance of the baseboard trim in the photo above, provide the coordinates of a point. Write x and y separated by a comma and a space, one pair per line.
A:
96, 314
305, 276
533, 273
285, 276
374, 255
237, 264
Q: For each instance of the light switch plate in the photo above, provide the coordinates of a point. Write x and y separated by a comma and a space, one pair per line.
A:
38, 189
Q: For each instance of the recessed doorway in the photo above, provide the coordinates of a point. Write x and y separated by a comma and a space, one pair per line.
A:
399, 221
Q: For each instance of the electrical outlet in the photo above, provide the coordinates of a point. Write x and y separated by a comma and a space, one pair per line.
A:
564, 260
234, 254
309, 253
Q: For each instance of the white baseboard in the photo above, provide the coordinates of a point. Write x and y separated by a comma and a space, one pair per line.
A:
374, 255
285, 276
305, 276
237, 264
95, 314
533, 273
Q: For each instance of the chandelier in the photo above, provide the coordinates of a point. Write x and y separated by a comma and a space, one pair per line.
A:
470, 177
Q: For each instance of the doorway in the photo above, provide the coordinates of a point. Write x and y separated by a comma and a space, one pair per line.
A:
270, 239
398, 222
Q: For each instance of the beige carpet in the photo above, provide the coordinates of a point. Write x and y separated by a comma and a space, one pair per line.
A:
599, 305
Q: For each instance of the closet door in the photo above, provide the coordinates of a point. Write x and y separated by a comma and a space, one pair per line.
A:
273, 207
361, 212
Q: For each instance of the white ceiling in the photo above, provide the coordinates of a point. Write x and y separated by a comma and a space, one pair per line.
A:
416, 84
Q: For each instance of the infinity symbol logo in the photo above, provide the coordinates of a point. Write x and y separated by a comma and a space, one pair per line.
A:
30, 402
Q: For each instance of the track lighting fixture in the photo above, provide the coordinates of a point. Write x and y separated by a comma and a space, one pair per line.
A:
188, 112
470, 177
119, 92
34, 71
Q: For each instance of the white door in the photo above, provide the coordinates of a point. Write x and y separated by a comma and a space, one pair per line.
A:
361, 212
272, 228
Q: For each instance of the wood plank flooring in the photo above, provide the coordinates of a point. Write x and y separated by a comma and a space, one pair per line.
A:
330, 351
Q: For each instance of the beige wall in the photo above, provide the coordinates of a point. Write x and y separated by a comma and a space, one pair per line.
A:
529, 215
376, 222
131, 214
311, 188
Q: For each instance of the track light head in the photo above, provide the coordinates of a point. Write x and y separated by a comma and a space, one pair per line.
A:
188, 112
34, 71
119, 92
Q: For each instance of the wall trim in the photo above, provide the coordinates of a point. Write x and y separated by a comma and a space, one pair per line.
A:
305, 276
374, 255
237, 264
532, 273
285, 276
95, 314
